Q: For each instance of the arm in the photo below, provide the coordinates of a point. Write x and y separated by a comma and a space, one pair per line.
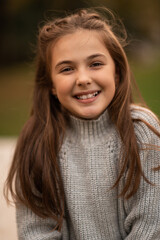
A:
143, 209
32, 227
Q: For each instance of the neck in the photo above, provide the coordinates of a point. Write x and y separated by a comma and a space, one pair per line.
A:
89, 130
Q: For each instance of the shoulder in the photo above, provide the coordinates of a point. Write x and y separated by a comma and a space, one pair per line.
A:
145, 122
142, 113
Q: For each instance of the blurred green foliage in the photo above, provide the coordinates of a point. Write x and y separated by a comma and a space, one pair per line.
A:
15, 98
147, 78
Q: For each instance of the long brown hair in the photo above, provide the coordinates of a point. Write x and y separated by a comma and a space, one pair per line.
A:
34, 178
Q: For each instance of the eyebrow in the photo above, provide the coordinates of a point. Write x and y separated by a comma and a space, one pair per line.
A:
88, 58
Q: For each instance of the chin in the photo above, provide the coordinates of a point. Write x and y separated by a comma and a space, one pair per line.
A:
90, 116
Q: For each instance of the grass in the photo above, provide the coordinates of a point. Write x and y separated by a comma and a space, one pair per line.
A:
16, 86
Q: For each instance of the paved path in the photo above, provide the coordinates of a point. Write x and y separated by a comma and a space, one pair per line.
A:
7, 213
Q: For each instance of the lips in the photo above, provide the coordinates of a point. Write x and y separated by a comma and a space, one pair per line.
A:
87, 95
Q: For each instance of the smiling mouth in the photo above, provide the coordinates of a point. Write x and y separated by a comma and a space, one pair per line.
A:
87, 96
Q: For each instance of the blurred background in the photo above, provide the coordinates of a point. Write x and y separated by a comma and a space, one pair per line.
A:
19, 20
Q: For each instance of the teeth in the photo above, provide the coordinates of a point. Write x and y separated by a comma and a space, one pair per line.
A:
90, 95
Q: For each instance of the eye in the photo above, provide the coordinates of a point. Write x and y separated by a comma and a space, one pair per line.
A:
96, 64
66, 70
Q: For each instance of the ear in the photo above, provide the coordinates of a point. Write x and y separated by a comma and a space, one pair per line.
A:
116, 79
117, 76
54, 91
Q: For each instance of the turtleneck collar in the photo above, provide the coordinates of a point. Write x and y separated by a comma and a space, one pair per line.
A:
89, 129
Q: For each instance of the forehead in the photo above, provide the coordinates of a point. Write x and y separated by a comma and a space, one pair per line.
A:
80, 42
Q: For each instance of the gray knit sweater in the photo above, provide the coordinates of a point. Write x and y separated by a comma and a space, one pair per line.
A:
89, 163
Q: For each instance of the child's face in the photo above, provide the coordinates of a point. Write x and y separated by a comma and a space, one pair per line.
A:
83, 74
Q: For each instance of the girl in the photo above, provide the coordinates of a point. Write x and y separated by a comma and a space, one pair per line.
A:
87, 160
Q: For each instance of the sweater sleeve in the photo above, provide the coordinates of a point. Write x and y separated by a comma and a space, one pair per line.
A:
32, 227
143, 209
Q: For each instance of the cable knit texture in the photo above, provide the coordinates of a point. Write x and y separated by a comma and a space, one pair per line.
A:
89, 163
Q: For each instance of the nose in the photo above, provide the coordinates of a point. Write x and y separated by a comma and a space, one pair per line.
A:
83, 78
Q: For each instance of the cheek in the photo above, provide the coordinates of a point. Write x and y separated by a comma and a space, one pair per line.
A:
63, 88
61, 91
107, 83
105, 77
